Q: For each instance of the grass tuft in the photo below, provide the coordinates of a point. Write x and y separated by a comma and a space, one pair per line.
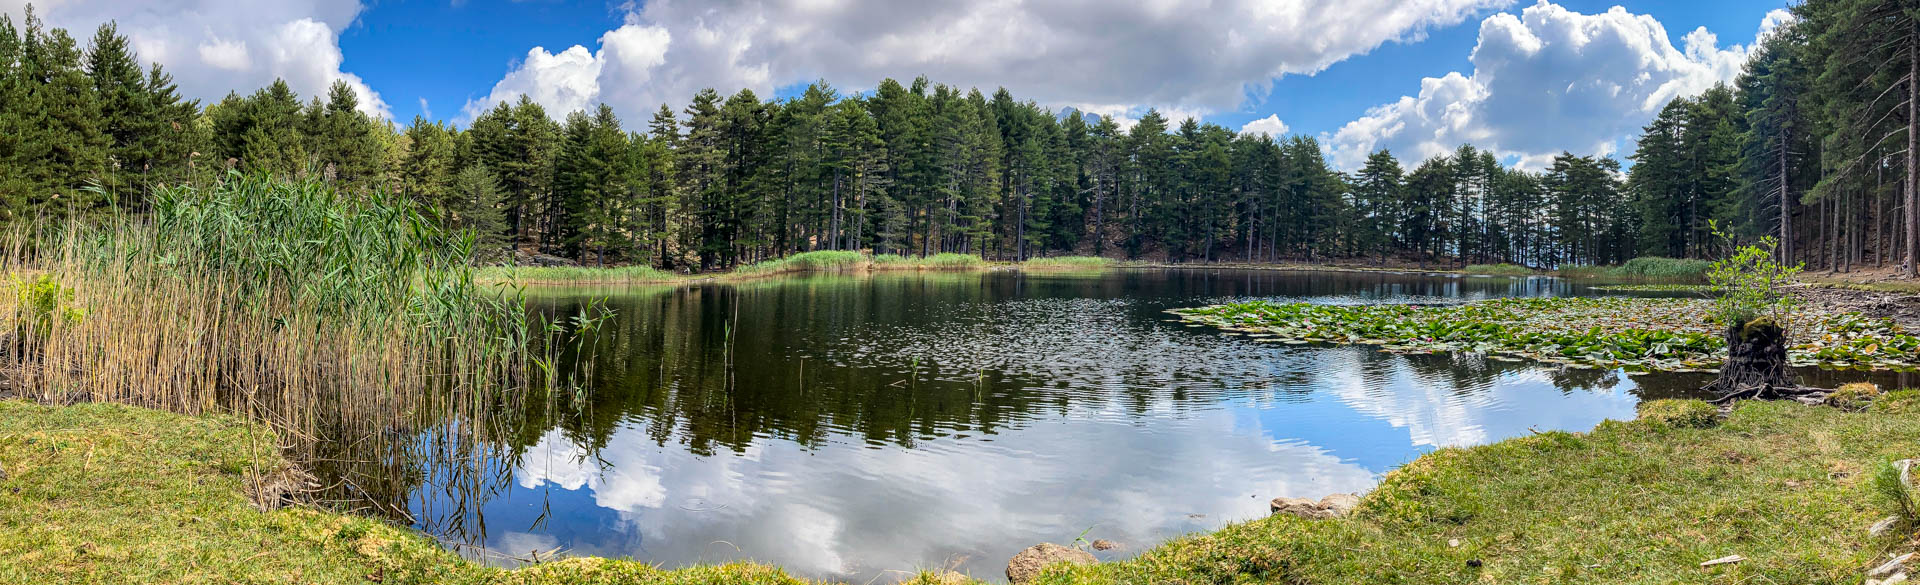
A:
1684, 414
1645, 267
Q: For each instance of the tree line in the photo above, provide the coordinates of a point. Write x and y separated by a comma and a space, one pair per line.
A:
1813, 144
923, 168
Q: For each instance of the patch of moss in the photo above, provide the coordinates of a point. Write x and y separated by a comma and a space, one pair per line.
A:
1685, 414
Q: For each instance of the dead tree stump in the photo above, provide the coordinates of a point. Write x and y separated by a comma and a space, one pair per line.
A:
1756, 363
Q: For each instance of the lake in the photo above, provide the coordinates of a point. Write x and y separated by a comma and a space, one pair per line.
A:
864, 427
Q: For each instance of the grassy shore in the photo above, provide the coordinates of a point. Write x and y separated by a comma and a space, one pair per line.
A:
99, 493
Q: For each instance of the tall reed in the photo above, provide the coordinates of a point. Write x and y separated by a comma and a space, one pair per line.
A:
349, 322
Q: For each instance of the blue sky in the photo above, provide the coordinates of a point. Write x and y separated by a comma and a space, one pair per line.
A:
471, 45
1360, 75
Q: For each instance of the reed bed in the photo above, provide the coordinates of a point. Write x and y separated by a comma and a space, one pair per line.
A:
941, 261
1498, 270
816, 261
574, 275
1645, 267
1067, 263
348, 322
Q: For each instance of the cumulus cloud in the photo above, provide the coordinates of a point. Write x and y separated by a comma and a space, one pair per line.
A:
1270, 126
215, 46
1109, 58
1547, 80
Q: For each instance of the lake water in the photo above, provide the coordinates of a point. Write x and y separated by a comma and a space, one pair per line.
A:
861, 428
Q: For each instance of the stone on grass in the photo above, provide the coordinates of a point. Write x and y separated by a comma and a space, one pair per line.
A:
1104, 544
1028, 564
1883, 526
1333, 506
1891, 567
1896, 578
1726, 560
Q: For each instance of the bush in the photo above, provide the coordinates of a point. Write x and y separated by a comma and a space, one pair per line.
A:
43, 302
1680, 414
1748, 283
1663, 268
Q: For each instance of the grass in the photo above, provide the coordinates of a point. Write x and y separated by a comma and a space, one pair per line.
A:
1645, 267
1067, 263
1498, 270
1784, 485
100, 493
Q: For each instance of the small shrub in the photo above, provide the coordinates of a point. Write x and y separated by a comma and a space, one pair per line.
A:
1897, 402
1890, 482
1855, 396
1748, 283
1680, 414
43, 302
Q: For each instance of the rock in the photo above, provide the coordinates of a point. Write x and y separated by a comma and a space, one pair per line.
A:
1906, 470
1028, 564
1726, 560
1880, 528
1896, 578
1104, 544
3, 473
1332, 506
1453, 543
1893, 566
1340, 504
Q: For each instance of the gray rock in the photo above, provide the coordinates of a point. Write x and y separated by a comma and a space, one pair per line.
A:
1333, 506
1028, 564
1896, 578
1881, 528
1891, 567
1340, 504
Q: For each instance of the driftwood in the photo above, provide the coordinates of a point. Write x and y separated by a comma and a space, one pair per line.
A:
1756, 366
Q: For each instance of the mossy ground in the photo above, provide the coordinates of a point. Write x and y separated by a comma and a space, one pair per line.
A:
114, 494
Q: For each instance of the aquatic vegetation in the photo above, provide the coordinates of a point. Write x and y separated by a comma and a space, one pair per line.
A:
1067, 263
1498, 270
941, 261
1635, 333
1656, 287
574, 275
1645, 267
815, 261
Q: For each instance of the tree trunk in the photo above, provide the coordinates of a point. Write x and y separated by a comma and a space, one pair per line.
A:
1756, 362
1913, 179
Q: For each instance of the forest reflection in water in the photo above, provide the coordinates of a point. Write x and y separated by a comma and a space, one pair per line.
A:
851, 426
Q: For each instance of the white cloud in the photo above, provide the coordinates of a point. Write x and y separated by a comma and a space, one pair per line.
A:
1544, 81
425, 111
215, 46
1270, 126
1187, 56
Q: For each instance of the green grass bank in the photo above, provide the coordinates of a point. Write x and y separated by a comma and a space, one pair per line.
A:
98, 493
